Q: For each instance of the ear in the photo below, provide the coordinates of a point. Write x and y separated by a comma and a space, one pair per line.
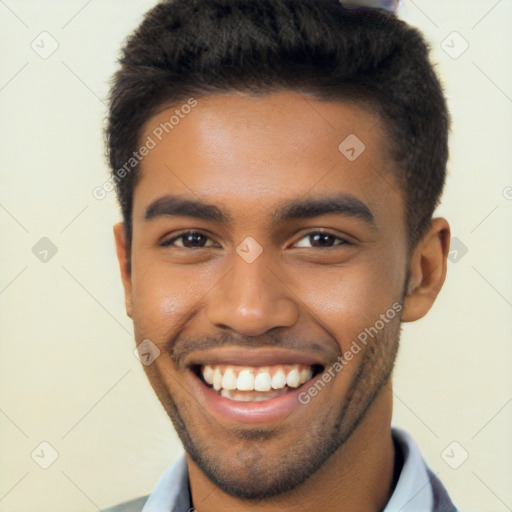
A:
427, 270
124, 265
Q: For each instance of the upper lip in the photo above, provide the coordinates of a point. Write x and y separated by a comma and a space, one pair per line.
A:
251, 357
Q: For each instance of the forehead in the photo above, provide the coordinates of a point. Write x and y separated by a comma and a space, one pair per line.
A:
254, 152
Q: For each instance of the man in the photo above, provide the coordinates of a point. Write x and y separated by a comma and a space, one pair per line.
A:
278, 163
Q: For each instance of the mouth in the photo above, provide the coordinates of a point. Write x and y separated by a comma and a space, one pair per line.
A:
242, 383
259, 386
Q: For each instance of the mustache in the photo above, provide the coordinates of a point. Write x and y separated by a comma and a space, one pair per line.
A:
181, 348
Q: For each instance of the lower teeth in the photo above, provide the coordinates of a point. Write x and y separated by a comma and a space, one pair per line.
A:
252, 396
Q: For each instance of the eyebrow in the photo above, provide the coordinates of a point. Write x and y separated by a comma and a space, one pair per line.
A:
340, 204
176, 206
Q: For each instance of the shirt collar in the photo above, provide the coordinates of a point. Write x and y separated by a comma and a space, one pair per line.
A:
413, 491
172, 492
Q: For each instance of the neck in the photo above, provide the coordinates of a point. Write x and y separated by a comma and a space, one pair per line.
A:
358, 476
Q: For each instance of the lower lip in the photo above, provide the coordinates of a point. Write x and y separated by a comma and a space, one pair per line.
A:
265, 411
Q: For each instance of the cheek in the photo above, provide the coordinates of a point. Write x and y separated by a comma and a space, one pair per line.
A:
165, 297
156, 299
348, 300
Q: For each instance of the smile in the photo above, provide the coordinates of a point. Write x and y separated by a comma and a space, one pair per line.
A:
236, 385
252, 383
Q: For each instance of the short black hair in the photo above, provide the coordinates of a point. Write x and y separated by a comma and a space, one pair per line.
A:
194, 48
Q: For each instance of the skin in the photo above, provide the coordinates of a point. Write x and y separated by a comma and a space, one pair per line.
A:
249, 156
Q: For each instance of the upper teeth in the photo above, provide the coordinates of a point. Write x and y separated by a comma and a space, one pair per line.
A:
250, 378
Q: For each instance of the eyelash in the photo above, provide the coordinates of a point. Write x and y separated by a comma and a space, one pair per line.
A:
170, 242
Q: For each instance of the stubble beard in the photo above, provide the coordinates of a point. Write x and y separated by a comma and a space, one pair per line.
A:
260, 473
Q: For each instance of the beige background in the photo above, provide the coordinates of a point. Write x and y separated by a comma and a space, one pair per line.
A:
68, 375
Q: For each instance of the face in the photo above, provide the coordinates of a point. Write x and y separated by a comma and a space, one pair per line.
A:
262, 256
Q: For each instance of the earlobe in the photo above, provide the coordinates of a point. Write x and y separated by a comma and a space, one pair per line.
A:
124, 265
427, 270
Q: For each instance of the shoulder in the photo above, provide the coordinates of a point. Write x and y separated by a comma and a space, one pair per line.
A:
442, 501
129, 506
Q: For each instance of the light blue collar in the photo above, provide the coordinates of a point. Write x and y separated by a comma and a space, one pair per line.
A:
413, 492
171, 493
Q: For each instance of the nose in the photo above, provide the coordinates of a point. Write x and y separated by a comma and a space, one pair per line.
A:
251, 299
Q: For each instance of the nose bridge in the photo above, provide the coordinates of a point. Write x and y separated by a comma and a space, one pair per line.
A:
252, 298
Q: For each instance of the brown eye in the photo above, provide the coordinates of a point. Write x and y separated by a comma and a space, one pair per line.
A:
321, 240
188, 240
